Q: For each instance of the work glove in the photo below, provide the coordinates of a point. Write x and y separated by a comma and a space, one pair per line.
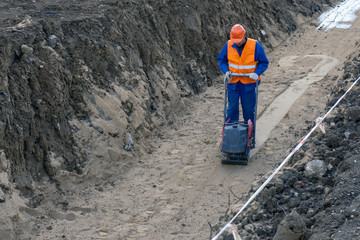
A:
227, 77
253, 76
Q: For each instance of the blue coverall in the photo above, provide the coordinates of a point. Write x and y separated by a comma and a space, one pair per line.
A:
244, 92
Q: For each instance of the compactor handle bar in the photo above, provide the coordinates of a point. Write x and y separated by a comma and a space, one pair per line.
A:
239, 75
227, 79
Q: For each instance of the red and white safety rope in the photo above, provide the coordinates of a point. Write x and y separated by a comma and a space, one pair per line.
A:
319, 122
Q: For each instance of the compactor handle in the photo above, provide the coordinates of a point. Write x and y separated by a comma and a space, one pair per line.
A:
228, 77
239, 75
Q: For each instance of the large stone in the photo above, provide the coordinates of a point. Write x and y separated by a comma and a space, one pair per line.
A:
291, 228
26, 49
315, 169
353, 113
52, 41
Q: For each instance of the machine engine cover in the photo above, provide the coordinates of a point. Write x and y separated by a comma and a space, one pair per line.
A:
235, 138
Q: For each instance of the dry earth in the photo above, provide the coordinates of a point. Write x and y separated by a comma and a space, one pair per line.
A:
176, 191
179, 189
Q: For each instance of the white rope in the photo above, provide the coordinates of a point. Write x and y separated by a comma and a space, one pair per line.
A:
283, 163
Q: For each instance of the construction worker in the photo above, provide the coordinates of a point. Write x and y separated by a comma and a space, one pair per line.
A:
246, 56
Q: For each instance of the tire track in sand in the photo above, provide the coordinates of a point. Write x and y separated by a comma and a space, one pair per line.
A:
282, 103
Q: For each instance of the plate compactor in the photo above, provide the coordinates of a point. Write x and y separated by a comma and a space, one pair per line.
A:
237, 137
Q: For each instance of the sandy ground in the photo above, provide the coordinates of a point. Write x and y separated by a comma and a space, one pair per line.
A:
181, 188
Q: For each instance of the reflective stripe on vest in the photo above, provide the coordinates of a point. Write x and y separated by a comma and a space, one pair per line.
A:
242, 64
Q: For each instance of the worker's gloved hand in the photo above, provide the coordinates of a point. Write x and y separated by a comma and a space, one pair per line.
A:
253, 76
227, 77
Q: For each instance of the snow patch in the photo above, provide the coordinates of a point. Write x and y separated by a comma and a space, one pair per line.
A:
340, 16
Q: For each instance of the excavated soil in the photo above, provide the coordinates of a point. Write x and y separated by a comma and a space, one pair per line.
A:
79, 77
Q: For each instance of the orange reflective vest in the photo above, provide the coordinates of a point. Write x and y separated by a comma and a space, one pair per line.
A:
242, 64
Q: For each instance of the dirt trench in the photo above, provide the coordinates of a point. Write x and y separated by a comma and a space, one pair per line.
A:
181, 189
63, 62
177, 189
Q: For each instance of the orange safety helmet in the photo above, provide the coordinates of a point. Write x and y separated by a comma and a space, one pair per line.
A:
237, 33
